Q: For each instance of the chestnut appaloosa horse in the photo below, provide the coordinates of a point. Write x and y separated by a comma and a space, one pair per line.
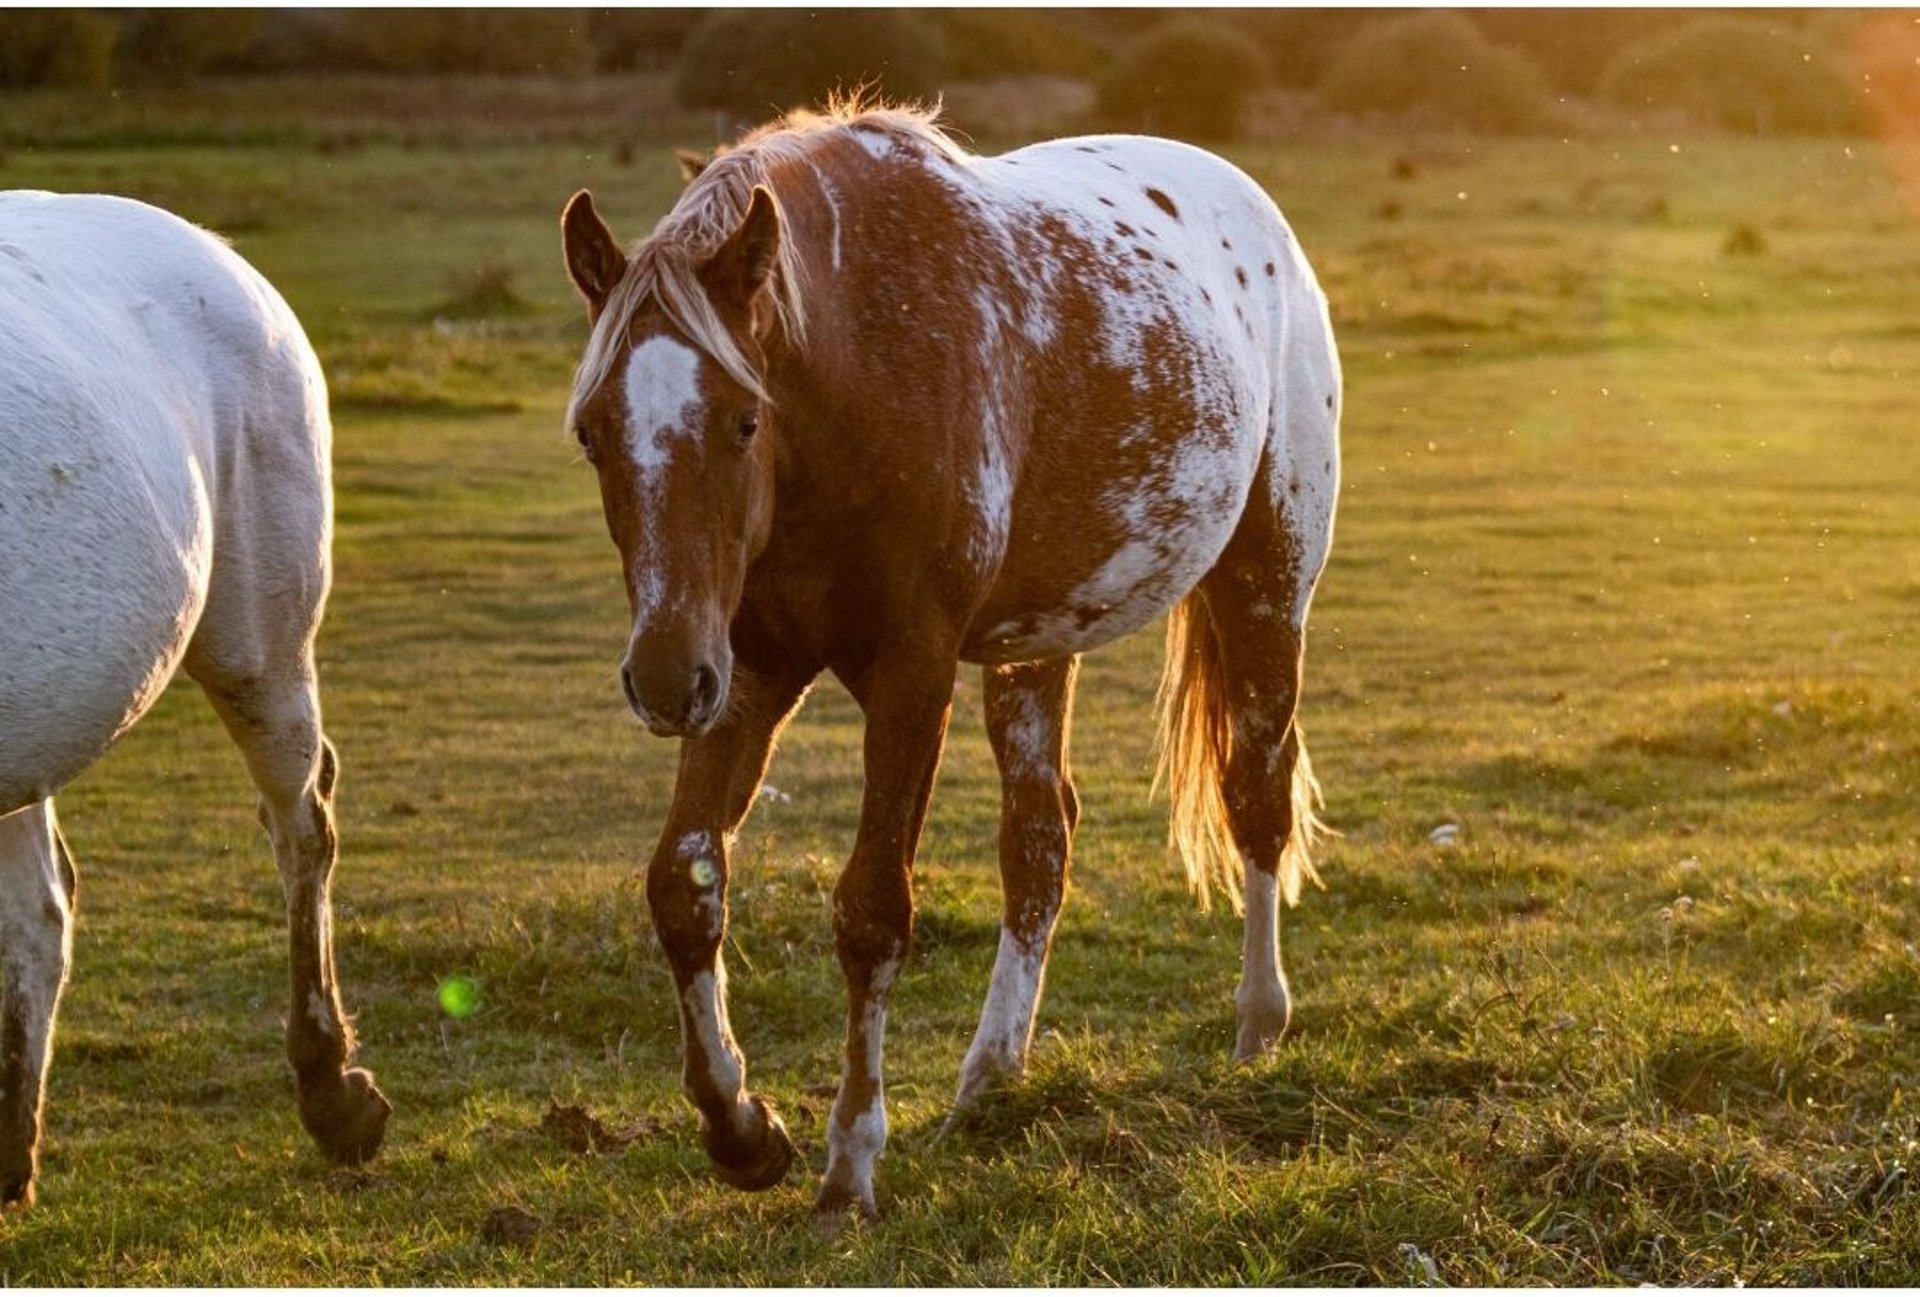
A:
868, 404
165, 501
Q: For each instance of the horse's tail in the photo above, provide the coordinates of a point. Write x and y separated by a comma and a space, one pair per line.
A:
1195, 741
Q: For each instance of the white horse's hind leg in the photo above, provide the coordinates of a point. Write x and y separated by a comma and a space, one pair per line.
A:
252, 653
36, 953
275, 720
1027, 709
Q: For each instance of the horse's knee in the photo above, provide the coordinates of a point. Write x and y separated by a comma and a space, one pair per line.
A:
686, 894
872, 924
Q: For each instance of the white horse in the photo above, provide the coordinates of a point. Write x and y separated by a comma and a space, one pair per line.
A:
165, 501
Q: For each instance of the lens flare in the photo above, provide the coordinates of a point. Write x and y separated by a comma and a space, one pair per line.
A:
459, 996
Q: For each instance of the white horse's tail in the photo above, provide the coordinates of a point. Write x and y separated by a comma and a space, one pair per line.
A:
1195, 741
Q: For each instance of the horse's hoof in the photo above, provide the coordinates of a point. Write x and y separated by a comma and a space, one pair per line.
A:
746, 1164
347, 1118
977, 1076
1262, 1025
16, 1191
839, 1206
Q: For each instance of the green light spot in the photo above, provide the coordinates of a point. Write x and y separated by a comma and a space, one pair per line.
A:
459, 997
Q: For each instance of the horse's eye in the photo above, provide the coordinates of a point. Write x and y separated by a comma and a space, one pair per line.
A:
749, 425
582, 435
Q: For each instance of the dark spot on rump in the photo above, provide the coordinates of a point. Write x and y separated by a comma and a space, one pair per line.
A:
1293, 486
1329, 401
1086, 148
1126, 231
1240, 275
1143, 254
1227, 244
1206, 297
1163, 202
1106, 202
1115, 166
1170, 265
1269, 270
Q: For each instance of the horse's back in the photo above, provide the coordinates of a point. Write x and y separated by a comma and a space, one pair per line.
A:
133, 347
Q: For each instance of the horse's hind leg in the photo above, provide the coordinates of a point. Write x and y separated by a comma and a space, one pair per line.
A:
1027, 708
271, 707
1255, 604
36, 952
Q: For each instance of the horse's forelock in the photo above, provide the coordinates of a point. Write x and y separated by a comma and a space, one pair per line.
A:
664, 270
664, 267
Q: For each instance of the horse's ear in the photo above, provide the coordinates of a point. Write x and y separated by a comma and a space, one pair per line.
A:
691, 164
744, 263
594, 258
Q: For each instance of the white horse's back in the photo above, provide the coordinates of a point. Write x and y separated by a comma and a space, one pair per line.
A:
136, 352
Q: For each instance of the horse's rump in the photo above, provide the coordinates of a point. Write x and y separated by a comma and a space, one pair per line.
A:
139, 353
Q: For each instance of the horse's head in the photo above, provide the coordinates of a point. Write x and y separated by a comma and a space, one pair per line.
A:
671, 411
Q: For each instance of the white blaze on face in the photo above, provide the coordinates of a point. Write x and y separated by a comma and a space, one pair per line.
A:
663, 407
663, 400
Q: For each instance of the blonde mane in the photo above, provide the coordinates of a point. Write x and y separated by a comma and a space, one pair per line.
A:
662, 268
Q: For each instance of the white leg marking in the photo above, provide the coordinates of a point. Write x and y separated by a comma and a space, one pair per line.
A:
1006, 1020
1261, 1001
855, 1139
704, 1011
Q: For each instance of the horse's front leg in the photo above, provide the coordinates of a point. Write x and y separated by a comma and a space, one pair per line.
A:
687, 893
906, 712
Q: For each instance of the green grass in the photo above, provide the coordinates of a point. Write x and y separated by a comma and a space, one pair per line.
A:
1624, 574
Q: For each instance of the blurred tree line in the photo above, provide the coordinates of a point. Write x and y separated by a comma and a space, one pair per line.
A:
1188, 72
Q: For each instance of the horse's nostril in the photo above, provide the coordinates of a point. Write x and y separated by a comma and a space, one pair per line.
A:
706, 693
626, 682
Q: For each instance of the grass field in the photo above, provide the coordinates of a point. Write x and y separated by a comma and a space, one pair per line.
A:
1625, 582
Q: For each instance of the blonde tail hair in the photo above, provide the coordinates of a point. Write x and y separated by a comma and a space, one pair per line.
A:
1195, 742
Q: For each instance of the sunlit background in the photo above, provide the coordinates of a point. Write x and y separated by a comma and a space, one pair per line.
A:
1610, 683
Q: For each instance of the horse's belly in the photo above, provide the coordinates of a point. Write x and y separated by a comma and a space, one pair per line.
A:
99, 596
1083, 574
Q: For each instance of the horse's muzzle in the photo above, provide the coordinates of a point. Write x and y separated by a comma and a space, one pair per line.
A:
687, 711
